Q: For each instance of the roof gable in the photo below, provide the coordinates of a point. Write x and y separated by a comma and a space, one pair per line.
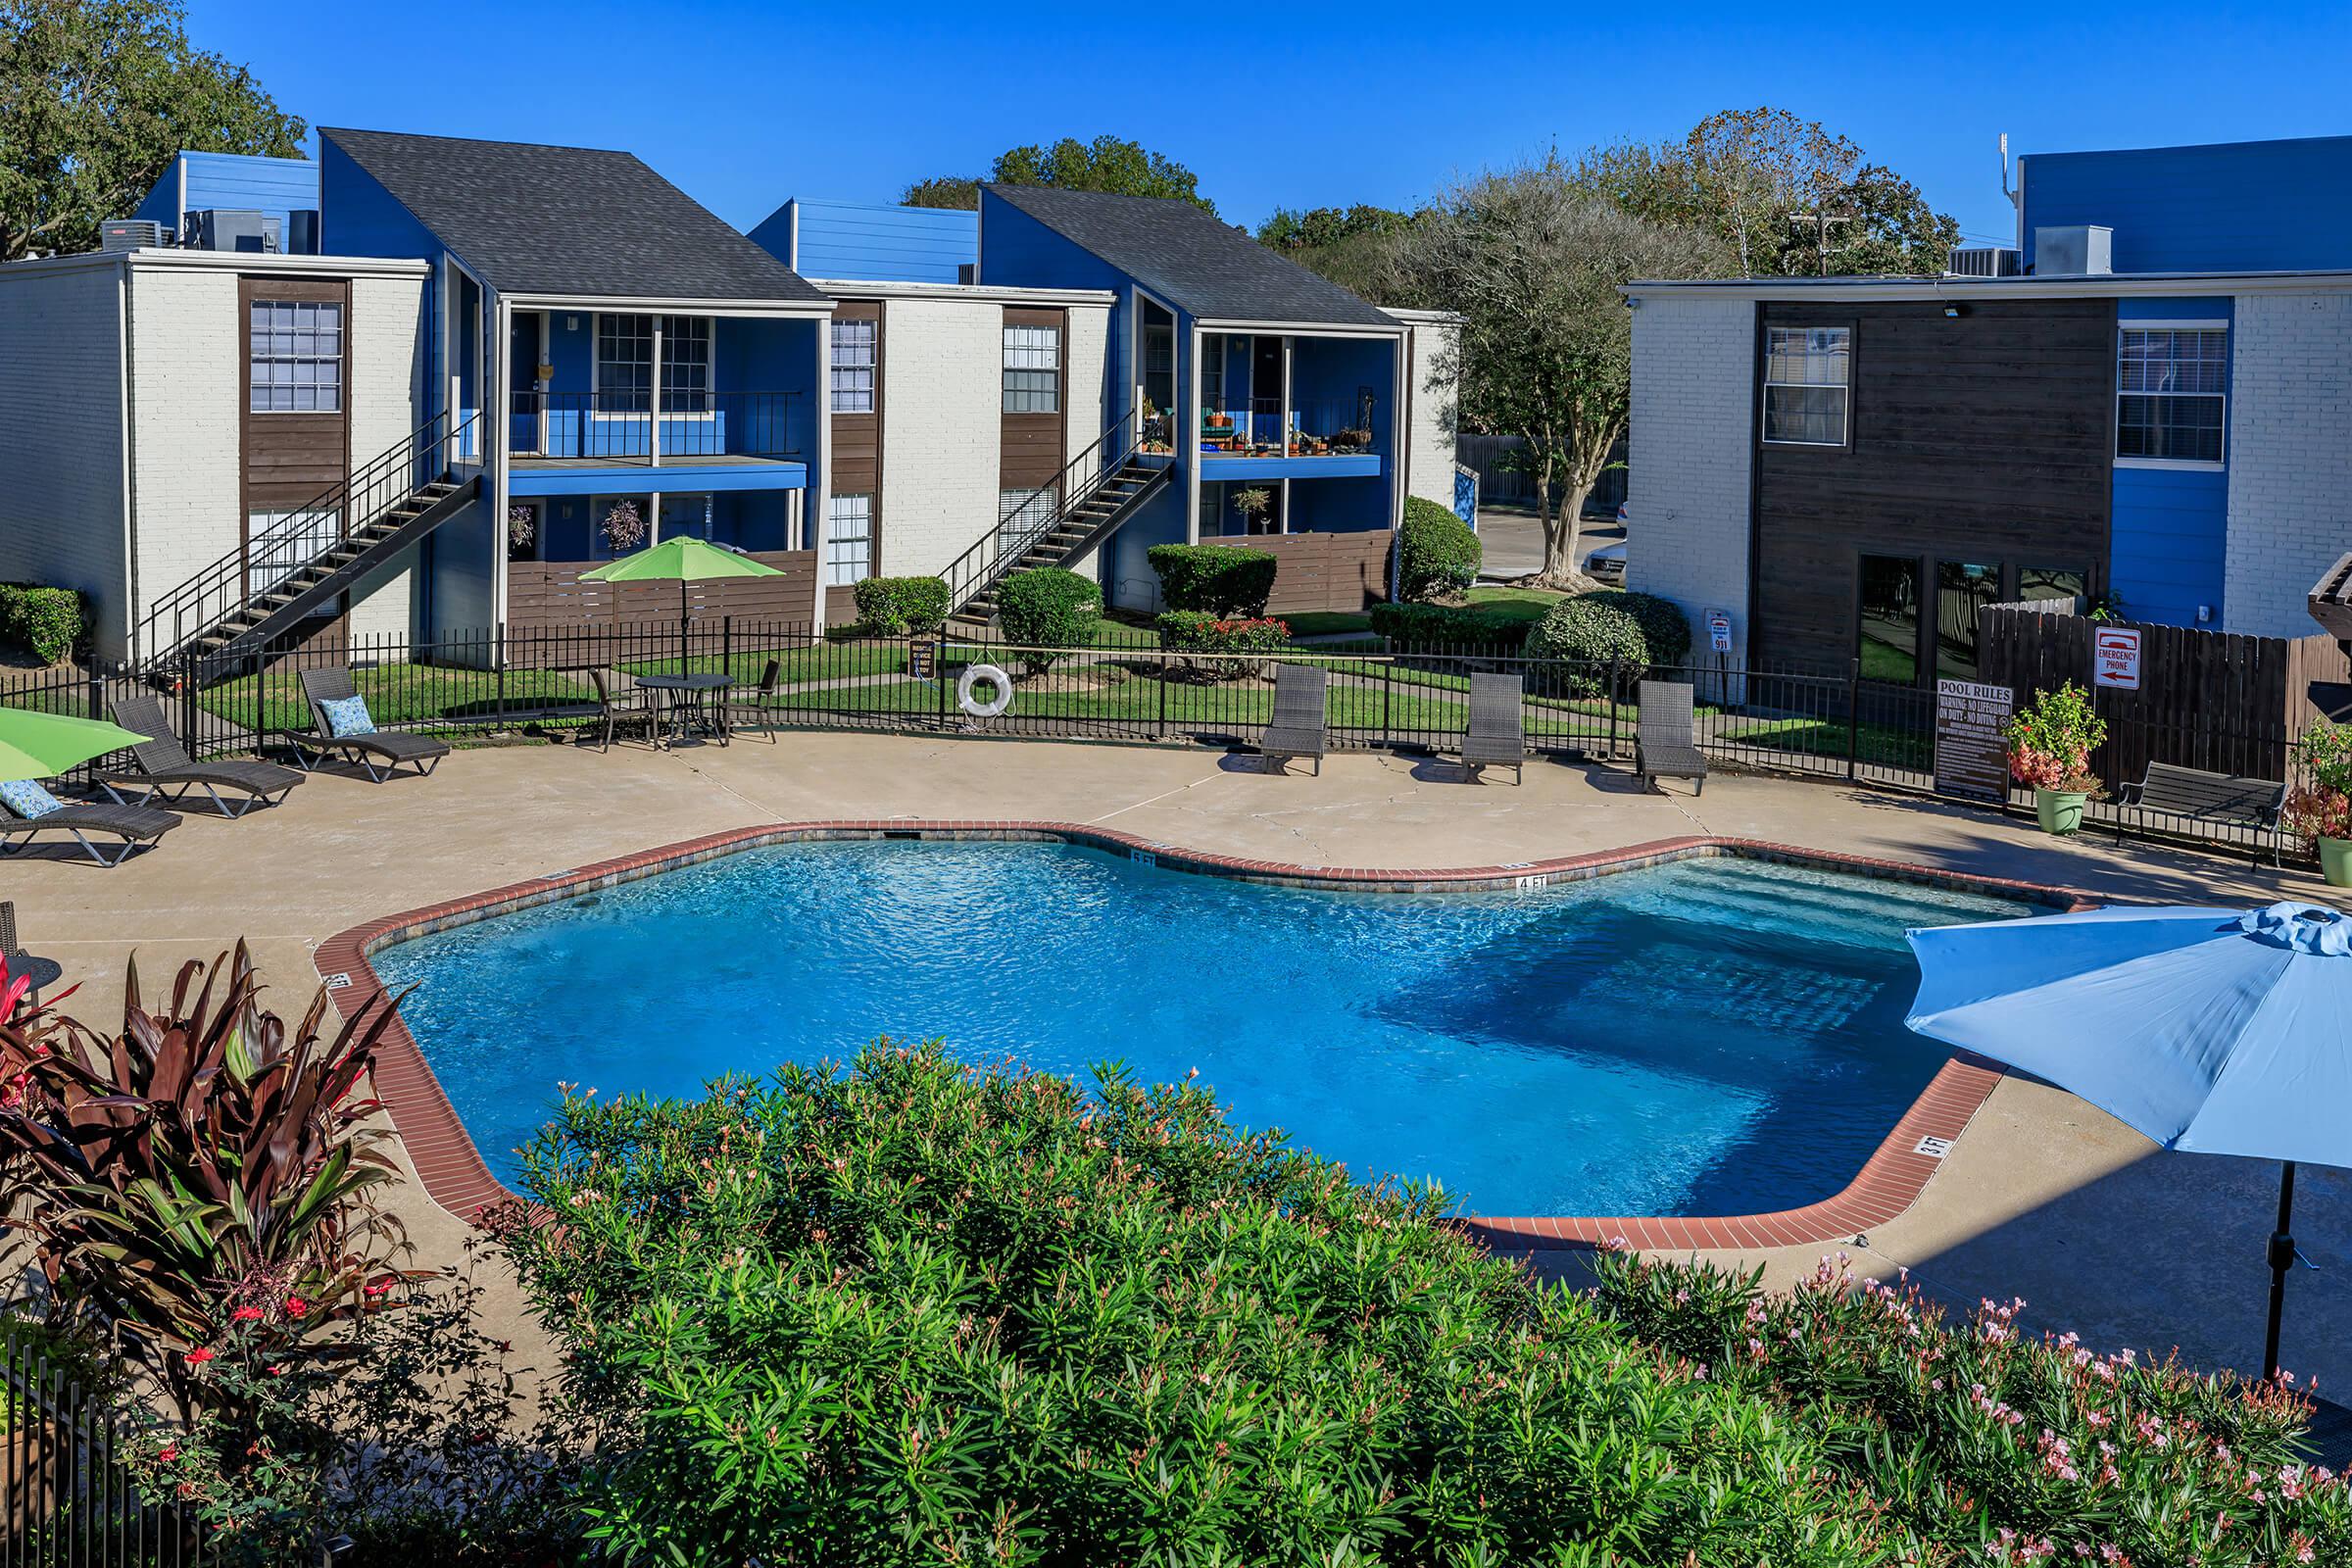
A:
1189, 258
536, 220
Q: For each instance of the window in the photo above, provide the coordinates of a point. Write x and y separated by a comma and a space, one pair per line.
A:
854, 367
1033, 369
848, 539
295, 354
688, 514
1212, 373
1889, 619
1807, 378
1961, 593
625, 364
686, 364
282, 543
1021, 516
2171, 387
2037, 585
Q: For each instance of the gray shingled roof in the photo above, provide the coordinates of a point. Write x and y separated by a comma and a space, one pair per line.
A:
1191, 258
537, 219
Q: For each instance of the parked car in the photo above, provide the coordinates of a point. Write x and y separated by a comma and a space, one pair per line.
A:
1608, 562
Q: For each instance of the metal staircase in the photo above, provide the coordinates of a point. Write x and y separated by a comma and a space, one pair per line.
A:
1095, 493
224, 617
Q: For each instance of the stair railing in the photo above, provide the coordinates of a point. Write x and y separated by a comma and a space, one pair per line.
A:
994, 552
264, 559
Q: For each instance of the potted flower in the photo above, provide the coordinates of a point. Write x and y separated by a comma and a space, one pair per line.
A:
2320, 807
2050, 742
1252, 503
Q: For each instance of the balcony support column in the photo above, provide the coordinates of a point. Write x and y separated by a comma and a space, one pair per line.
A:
654, 432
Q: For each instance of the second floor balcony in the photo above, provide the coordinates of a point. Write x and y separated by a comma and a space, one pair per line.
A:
646, 429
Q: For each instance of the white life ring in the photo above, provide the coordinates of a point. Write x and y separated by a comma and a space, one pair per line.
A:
974, 676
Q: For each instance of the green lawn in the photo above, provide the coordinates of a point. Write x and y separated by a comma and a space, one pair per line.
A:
397, 694
1141, 700
1518, 607
1876, 744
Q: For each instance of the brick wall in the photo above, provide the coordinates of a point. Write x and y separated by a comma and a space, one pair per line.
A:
1690, 440
187, 353
1089, 350
941, 416
1431, 378
61, 438
2290, 456
386, 399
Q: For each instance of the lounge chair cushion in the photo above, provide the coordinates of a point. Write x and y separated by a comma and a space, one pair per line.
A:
347, 717
27, 798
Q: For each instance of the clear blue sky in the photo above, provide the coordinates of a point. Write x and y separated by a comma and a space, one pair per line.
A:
745, 104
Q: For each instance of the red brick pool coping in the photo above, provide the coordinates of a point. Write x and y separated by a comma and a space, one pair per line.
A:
456, 1177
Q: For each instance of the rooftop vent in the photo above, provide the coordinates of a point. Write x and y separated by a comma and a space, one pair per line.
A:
2077, 250
1984, 261
130, 234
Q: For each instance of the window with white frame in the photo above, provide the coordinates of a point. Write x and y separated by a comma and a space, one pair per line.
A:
854, 367
296, 353
848, 539
686, 364
625, 364
1212, 373
1808, 381
2172, 387
1021, 516
281, 543
1033, 369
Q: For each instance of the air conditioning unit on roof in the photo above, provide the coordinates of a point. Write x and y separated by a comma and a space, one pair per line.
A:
1984, 261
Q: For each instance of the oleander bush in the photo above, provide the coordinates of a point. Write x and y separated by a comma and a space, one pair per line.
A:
1436, 553
913, 1313
1450, 628
1047, 608
1224, 580
48, 622
899, 607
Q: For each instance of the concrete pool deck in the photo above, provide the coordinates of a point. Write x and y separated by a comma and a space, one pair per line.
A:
2041, 1197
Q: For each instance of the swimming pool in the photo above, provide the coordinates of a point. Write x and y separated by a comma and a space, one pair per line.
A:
1714, 1036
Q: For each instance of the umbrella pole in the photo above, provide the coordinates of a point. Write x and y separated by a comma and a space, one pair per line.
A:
2282, 1259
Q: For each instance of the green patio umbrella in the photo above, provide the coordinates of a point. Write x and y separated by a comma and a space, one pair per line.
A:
682, 559
38, 745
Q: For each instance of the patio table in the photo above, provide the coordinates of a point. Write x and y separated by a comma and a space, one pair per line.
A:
694, 709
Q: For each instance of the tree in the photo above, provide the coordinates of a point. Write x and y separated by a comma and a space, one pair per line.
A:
1354, 246
1532, 262
95, 97
1106, 164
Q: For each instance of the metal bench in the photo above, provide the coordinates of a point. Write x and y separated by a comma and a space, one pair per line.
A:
2215, 799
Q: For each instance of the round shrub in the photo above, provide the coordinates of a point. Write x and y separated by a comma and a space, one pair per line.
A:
897, 606
48, 622
1047, 608
1217, 579
1436, 553
1583, 638
1665, 629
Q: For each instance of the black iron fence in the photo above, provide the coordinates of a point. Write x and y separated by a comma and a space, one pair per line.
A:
65, 1496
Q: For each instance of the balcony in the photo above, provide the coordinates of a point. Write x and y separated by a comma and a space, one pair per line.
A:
568, 442
1327, 436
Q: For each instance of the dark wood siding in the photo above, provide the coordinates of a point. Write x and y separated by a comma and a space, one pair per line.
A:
1984, 438
291, 457
1032, 452
858, 437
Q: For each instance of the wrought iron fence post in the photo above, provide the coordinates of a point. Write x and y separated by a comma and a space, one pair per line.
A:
1609, 698
498, 655
727, 645
1853, 719
1163, 696
187, 704
1388, 694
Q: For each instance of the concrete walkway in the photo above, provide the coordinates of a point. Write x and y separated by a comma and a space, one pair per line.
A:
2043, 1197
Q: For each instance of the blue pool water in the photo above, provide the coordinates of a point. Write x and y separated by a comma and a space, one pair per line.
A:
1717, 1036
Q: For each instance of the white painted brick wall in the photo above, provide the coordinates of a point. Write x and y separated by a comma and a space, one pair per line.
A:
386, 376
61, 438
1689, 441
941, 407
2290, 457
187, 353
1428, 444
1089, 347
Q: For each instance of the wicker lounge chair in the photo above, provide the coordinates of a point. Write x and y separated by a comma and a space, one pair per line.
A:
1297, 730
23, 965
134, 825
756, 706
1663, 744
163, 762
322, 686
623, 705
1497, 733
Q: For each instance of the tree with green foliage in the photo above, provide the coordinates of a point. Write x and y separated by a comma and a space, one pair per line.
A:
95, 98
1111, 163
1354, 246
1532, 262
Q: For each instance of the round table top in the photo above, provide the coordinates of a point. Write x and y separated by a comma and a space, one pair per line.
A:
694, 681
41, 971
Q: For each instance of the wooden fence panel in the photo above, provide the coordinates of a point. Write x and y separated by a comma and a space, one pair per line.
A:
1324, 572
549, 594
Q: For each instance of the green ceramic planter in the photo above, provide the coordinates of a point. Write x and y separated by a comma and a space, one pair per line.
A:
2060, 810
2335, 862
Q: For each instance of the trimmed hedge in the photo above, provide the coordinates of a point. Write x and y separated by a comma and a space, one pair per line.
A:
1435, 551
1584, 637
1216, 579
1429, 628
1047, 606
1665, 629
49, 621
895, 607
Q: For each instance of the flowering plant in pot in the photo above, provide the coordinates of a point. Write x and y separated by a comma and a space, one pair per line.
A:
2050, 742
2320, 807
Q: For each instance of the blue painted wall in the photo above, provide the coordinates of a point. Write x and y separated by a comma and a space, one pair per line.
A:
2255, 206
276, 187
1339, 505
2166, 552
360, 217
1128, 579
872, 241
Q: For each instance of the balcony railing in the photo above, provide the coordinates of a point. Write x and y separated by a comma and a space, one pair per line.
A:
1324, 427
620, 428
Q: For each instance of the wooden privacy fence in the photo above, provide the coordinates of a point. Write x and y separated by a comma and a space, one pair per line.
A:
1324, 572
552, 593
2217, 701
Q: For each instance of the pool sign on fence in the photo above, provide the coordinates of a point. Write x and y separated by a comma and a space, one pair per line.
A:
1719, 630
1972, 761
2115, 658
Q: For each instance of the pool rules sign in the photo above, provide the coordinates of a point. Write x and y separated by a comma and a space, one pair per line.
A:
1971, 761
